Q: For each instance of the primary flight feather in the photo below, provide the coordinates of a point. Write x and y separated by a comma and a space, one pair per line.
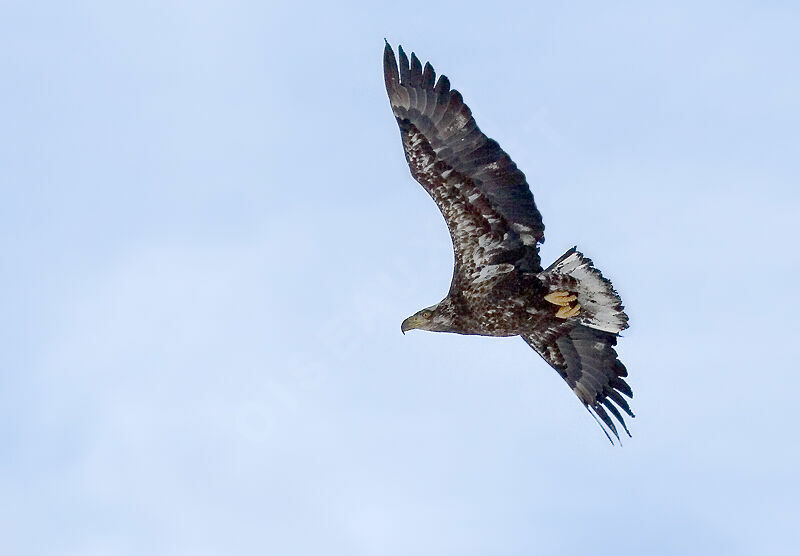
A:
568, 313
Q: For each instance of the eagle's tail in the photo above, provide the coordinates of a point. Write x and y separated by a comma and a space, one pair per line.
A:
600, 305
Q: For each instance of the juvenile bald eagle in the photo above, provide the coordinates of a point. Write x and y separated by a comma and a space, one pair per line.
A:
568, 313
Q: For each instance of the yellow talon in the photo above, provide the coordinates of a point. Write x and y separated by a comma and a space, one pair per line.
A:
566, 311
562, 299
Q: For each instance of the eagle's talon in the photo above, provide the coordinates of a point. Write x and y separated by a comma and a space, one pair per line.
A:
566, 311
562, 299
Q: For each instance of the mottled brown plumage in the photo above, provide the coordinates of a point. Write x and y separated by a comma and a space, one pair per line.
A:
568, 312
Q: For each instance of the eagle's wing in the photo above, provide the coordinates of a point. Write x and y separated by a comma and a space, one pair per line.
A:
485, 200
586, 359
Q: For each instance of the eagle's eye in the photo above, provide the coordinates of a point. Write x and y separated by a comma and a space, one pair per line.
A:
427, 314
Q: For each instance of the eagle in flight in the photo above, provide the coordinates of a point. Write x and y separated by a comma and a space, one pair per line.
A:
568, 312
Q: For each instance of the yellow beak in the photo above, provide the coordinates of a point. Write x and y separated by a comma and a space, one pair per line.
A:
410, 323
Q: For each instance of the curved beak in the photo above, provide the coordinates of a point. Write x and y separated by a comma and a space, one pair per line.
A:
409, 324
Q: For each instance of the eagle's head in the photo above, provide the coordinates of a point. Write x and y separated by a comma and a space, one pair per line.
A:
436, 318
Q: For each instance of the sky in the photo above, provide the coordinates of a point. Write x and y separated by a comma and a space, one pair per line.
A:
210, 238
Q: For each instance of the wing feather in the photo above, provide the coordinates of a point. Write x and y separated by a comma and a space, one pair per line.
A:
428, 77
483, 196
586, 359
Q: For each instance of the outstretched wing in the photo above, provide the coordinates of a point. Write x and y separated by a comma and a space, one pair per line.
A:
485, 200
586, 359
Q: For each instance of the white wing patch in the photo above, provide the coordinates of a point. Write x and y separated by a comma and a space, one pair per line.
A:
525, 234
492, 271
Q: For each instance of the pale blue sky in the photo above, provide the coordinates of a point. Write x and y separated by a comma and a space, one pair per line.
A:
210, 238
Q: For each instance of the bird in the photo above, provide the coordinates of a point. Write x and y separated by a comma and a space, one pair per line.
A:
569, 313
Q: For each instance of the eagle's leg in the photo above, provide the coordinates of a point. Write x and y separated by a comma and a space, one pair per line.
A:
566, 311
562, 299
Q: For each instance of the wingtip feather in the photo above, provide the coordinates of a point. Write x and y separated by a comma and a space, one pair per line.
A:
390, 74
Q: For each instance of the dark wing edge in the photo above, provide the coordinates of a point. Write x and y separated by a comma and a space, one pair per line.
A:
427, 107
586, 359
